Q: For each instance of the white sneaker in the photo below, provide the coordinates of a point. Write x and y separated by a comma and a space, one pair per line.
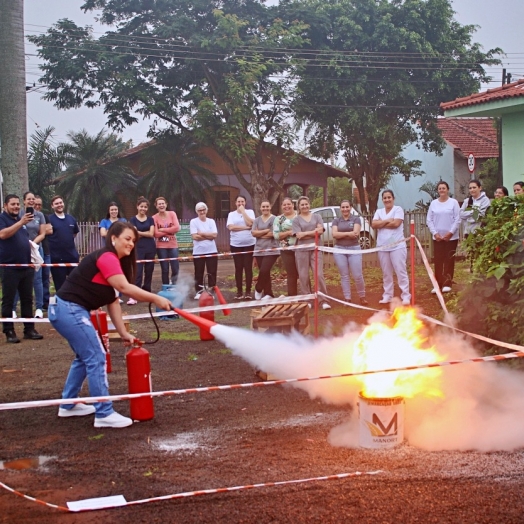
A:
258, 296
15, 315
446, 289
406, 302
132, 302
384, 301
434, 291
120, 301
325, 305
79, 410
115, 420
39, 313
197, 296
267, 297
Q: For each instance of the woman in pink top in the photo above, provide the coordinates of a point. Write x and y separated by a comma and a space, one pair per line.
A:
166, 225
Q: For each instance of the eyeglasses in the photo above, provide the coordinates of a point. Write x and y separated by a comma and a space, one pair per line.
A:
202, 209
37, 205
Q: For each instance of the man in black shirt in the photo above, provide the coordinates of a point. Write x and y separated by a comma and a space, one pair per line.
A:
15, 249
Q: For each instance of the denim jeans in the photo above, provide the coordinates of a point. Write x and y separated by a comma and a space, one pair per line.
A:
350, 264
37, 286
145, 268
46, 273
74, 323
168, 252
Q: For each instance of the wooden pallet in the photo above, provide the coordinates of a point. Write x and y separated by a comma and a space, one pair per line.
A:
283, 318
113, 333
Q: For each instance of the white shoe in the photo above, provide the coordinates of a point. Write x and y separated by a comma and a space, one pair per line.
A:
267, 297
15, 315
115, 420
79, 410
384, 301
325, 305
258, 295
434, 291
406, 302
39, 313
446, 289
197, 296
120, 301
132, 302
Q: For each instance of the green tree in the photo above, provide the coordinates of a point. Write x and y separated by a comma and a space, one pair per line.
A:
211, 67
13, 129
45, 163
93, 176
488, 173
176, 170
374, 76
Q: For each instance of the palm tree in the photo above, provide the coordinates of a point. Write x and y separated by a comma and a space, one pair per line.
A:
13, 129
94, 174
45, 163
176, 170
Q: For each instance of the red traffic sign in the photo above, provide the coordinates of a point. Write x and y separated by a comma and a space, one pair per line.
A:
471, 163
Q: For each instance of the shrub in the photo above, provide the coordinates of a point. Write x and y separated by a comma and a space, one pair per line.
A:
492, 304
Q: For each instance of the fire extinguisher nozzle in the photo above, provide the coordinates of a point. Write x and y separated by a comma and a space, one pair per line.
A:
198, 321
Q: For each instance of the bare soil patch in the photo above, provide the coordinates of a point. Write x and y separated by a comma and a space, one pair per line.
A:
229, 438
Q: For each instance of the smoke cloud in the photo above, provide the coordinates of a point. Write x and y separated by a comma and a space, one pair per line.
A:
481, 408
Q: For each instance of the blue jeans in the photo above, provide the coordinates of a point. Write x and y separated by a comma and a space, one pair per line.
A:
46, 273
168, 252
350, 264
37, 286
74, 323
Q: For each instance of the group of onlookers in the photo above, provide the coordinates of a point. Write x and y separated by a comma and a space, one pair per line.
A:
26, 233
267, 235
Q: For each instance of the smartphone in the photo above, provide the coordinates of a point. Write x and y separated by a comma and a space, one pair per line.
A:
30, 210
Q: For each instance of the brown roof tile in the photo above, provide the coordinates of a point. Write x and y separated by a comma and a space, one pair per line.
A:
471, 135
515, 89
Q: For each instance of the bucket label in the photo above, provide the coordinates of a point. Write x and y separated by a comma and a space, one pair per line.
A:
378, 429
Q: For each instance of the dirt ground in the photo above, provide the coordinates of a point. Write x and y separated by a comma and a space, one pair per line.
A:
223, 439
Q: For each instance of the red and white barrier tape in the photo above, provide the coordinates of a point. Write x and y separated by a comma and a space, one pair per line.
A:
187, 494
218, 307
129, 396
33, 499
230, 254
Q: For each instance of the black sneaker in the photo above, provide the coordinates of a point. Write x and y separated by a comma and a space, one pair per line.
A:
33, 335
11, 337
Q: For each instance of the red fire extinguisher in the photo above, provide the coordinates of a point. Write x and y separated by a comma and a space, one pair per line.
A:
222, 300
206, 299
139, 381
99, 320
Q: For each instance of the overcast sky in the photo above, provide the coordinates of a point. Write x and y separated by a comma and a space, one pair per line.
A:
499, 27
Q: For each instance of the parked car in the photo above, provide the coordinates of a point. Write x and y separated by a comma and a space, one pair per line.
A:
328, 213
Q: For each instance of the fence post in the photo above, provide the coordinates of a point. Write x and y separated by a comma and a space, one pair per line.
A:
412, 250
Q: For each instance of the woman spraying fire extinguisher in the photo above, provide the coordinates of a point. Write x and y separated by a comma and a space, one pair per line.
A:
91, 285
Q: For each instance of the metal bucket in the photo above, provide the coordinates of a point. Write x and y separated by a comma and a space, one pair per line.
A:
381, 422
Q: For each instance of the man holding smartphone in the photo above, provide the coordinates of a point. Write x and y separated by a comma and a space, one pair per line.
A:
15, 249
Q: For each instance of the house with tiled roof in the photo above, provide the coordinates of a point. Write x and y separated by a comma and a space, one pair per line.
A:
221, 197
462, 136
506, 102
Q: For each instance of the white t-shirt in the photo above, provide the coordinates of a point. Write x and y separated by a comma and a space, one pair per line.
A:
240, 238
387, 236
203, 247
444, 218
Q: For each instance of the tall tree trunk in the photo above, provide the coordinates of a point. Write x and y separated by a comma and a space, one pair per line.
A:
13, 113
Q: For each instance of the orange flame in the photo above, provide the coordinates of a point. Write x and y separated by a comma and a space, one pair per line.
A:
383, 346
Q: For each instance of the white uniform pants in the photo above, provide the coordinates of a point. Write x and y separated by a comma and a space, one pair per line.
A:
394, 261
